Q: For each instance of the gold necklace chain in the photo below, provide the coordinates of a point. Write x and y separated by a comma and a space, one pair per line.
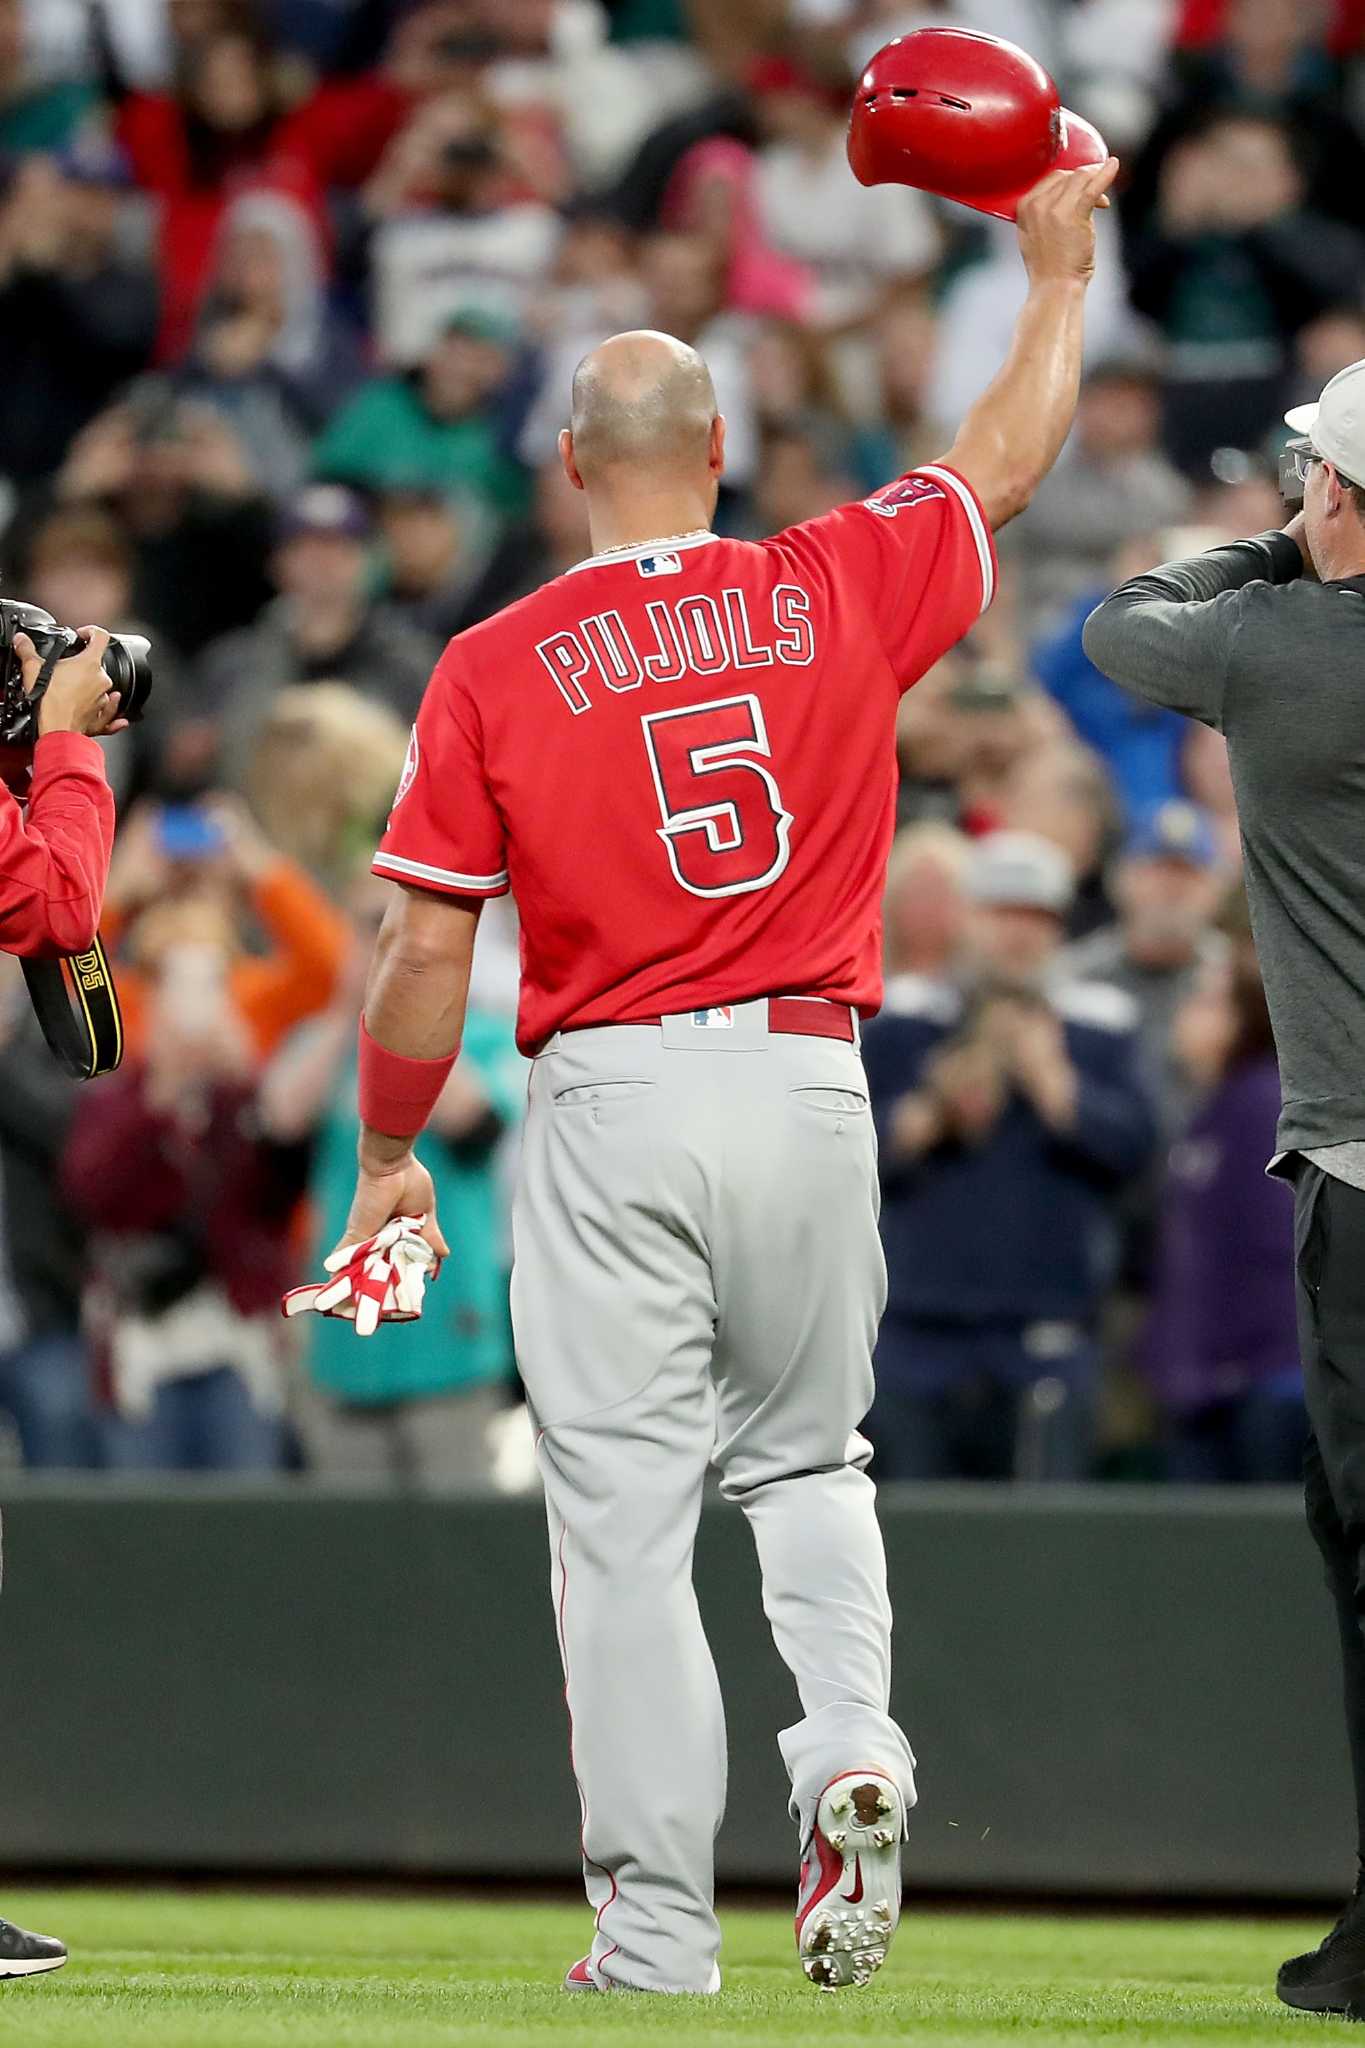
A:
664, 540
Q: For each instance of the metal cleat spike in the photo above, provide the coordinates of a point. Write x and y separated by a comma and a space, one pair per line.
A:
839, 1804
883, 1838
881, 1913
836, 1842
883, 1803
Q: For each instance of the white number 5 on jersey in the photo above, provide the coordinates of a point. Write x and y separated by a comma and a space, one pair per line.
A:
723, 820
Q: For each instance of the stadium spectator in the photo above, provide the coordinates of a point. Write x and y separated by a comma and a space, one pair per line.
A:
1061, 792
189, 1213
451, 235
1230, 265
1009, 1119
962, 732
46, 1384
1111, 486
896, 430
435, 547
267, 352
322, 774
77, 315
854, 240
444, 424
38, 110
1139, 744
178, 480
803, 471
411, 1406
78, 564
925, 909
1221, 1348
1166, 887
185, 888
1266, 57
216, 129
322, 627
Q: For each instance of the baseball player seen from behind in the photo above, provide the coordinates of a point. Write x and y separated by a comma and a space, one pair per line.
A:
680, 756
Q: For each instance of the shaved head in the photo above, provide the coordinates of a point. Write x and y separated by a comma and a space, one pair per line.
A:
642, 401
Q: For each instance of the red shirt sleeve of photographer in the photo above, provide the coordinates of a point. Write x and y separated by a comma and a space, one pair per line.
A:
54, 855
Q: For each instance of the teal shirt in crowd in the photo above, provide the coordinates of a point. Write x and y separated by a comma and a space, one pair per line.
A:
384, 438
463, 1338
47, 118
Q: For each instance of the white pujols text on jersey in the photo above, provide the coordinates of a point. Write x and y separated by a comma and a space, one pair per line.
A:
694, 635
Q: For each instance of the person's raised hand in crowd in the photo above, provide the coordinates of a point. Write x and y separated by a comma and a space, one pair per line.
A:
78, 698
1189, 200
1057, 226
247, 851
1205, 1026
103, 458
33, 220
199, 1043
1255, 179
1032, 1047
412, 161
139, 871
212, 459
967, 1085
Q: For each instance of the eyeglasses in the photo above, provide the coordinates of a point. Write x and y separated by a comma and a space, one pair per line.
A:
1304, 456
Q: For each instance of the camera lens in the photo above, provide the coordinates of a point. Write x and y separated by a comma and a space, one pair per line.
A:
128, 665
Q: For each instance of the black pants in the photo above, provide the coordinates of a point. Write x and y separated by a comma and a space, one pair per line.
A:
1329, 1256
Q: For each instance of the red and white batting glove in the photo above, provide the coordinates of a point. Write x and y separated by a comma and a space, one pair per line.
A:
383, 1279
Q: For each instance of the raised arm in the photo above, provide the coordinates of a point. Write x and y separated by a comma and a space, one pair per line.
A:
1014, 433
1167, 636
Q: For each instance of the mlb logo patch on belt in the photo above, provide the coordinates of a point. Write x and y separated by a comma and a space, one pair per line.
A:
719, 1018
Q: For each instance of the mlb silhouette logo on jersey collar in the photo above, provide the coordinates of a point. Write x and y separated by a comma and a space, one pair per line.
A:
659, 565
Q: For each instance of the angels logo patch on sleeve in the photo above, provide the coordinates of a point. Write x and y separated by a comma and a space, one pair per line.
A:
907, 490
410, 764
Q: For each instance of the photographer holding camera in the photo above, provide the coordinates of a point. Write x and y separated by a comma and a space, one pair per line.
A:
54, 861
54, 855
56, 837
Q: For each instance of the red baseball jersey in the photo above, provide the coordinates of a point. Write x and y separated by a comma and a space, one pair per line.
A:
681, 757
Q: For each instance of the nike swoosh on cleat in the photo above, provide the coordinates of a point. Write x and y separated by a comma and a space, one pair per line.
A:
856, 1894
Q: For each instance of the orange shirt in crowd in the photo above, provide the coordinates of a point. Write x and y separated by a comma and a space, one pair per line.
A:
309, 942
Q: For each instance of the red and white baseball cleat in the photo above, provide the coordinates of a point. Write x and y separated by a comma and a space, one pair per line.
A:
580, 1977
850, 1896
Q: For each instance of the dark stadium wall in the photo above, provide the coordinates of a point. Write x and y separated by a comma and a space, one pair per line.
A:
1109, 1691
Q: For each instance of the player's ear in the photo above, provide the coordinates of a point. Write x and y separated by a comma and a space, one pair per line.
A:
716, 452
566, 457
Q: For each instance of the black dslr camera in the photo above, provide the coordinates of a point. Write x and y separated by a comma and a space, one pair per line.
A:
127, 663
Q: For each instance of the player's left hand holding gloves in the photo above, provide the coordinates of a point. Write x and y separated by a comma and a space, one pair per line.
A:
383, 1279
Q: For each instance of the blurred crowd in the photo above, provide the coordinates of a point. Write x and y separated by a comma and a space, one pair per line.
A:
291, 292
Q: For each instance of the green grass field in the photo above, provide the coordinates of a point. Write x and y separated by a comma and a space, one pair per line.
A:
221, 1970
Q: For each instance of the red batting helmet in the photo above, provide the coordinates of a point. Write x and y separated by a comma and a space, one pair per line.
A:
967, 116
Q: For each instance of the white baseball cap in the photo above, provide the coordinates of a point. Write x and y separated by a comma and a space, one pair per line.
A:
1020, 870
1336, 424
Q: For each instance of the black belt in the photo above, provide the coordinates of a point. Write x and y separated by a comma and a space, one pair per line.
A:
76, 1003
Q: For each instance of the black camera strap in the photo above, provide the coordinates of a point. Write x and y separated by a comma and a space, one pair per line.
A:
76, 1004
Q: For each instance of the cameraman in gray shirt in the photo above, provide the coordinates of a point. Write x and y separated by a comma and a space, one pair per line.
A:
1265, 641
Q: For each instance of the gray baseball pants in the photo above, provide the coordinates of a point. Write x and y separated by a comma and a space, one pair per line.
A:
698, 1279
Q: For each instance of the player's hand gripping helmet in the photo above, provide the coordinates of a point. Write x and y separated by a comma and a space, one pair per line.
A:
966, 116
